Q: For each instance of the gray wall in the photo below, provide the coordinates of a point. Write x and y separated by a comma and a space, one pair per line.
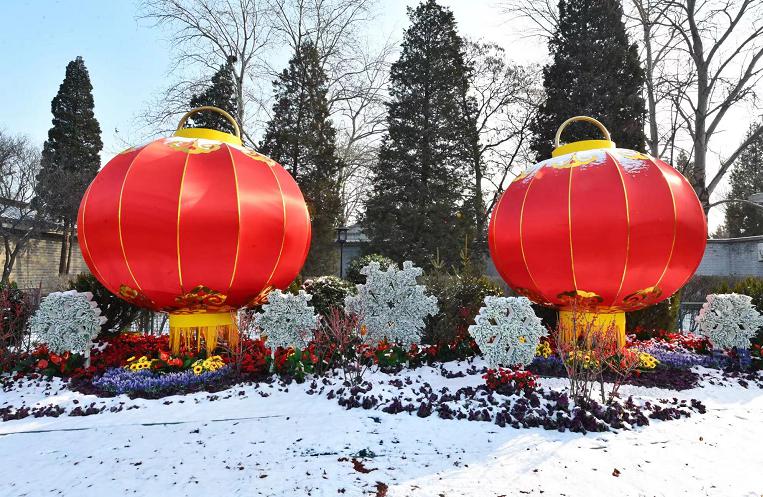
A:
723, 257
732, 257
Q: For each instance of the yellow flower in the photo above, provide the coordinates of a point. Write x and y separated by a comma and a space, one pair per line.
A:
197, 370
130, 359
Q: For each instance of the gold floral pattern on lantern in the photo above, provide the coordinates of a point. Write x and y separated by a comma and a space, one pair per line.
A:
193, 146
203, 298
261, 298
532, 295
573, 161
136, 297
642, 298
258, 156
580, 299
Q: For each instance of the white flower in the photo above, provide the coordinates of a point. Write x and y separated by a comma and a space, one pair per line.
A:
507, 331
67, 321
287, 319
391, 305
729, 320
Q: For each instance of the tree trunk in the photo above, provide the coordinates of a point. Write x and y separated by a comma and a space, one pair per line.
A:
69, 254
62, 262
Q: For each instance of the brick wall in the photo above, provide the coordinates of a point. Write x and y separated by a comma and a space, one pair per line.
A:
37, 265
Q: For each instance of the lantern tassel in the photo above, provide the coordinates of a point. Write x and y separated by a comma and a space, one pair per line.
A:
572, 322
191, 331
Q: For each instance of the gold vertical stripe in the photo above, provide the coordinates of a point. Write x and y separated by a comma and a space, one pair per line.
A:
238, 216
283, 236
618, 167
84, 236
569, 228
675, 222
177, 226
119, 217
521, 241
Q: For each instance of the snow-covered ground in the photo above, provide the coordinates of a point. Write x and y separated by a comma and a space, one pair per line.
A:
281, 441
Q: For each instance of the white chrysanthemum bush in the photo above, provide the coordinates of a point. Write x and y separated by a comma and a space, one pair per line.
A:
507, 331
287, 319
67, 322
391, 304
729, 320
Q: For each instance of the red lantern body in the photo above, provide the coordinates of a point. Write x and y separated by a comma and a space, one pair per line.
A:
193, 224
605, 229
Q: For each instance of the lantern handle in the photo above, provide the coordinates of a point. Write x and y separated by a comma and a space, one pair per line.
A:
227, 116
580, 118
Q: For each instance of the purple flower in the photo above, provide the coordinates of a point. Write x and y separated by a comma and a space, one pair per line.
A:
122, 381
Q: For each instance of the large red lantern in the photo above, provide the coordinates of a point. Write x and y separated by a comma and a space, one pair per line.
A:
597, 230
195, 225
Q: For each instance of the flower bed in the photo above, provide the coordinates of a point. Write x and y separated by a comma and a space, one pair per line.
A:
149, 384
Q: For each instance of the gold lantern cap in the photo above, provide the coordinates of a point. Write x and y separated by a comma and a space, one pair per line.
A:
209, 134
582, 145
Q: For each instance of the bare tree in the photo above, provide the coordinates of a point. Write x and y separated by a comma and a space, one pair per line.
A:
658, 51
360, 113
357, 74
540, 17
502, 101
19, 165
722, 41
205, 34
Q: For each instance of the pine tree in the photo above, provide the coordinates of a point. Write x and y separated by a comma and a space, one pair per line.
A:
418, 207
71, 154
746, 178
595, 71
221, 94
300, 136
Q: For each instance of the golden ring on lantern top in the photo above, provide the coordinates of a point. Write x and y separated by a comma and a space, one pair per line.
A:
582, 145
209, 134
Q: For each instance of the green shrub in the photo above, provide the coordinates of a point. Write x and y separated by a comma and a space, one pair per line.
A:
459, 297
327, 292
16, 307
353, 271
119, 313
661, 316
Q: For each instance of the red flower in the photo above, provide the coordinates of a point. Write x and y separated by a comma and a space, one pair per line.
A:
42, 364
55, 359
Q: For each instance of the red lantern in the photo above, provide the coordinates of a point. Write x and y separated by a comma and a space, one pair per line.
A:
195, 225
598, 229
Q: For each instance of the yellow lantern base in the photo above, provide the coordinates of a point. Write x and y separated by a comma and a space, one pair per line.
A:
188, 330
572, 322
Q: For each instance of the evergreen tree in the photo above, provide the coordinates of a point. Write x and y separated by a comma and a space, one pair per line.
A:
221, 94
71, 154
418, 208
746, 178
300, 136
595, 71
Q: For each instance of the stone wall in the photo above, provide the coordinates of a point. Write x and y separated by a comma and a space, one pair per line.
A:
37, 265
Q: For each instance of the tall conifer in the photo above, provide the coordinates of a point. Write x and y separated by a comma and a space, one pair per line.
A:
419, 205
70, 155
746, 178
221, 93
300, 136
595, 71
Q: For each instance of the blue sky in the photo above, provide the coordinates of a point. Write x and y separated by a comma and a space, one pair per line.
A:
127, 63
127, 59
